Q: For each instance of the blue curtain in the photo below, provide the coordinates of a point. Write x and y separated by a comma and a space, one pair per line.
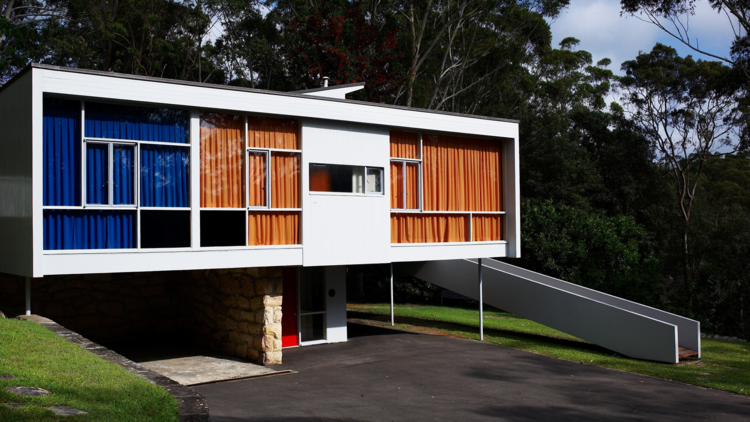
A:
122, 172
137, 123
165, 176
62, 152
89, 229
97, 173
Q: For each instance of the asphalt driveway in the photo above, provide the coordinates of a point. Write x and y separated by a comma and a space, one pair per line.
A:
387, 375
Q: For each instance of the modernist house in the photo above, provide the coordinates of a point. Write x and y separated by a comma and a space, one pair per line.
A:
103, 173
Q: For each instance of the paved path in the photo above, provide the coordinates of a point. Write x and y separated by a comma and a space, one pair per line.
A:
386, 375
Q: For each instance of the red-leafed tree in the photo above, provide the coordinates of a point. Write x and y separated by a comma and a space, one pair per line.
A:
341, 41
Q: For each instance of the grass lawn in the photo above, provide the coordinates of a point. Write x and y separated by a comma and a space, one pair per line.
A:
724, 365
76, 378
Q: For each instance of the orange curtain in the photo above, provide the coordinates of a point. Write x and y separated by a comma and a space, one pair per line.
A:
428, 228
486, 227
285, 179
404, 145
461, 174
273, 228
256, 195
221, 160
397, 185
320, 179
412, 186
265, 132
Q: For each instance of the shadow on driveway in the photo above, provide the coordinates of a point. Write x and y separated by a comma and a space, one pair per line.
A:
387, 375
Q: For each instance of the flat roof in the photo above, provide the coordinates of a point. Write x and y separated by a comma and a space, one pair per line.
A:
294, 94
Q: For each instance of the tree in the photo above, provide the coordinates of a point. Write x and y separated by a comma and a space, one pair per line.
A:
339, 40
677, 14
141, 37
26, 26
688, 110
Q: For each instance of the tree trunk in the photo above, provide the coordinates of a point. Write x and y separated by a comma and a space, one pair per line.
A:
685, 270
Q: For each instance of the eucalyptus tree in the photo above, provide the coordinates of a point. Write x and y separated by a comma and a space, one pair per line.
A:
688, 110
673, 17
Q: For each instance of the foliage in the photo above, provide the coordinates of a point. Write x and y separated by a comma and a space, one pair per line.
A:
337, 40
672, 16
609, 254
76, 378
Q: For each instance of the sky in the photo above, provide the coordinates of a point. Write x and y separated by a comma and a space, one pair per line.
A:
603, 33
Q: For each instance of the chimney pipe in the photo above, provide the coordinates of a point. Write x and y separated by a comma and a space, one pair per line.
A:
325, 81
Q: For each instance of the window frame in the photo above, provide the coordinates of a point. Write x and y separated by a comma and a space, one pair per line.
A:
110, 174
404, 162
136, 206
364, 185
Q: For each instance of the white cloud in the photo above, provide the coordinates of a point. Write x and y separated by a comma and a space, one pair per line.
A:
604, 33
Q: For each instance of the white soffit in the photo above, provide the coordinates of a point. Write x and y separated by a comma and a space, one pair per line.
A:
124, 88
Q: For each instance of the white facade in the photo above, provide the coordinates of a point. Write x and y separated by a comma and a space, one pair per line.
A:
336, 229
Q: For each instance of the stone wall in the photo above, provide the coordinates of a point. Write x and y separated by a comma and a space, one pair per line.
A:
234, 311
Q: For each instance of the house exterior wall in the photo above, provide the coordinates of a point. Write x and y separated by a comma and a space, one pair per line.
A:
16, 194
336, 229
344, 228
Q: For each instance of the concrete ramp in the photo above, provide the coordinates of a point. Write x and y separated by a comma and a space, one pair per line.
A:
617, 324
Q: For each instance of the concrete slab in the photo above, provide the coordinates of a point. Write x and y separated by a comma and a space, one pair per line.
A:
194, 370
388, 375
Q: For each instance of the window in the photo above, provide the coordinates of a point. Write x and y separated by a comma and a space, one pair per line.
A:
445, 189
346, 179
110, 174
105, 165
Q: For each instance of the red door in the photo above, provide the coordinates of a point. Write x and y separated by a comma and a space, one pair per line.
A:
289, 331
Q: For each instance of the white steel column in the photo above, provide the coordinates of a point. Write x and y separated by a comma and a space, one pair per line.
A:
393, 318
481, 303
28, 295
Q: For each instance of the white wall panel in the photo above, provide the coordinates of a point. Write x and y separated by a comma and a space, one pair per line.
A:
443, 251
512, 196
336, 305
345, 229
95, 262
16, 168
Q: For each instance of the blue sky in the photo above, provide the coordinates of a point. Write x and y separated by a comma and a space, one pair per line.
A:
603, 33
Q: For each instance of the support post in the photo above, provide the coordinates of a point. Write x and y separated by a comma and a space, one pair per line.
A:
28, 295
393, 318
481, 302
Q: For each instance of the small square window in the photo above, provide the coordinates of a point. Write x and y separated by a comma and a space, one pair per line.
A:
374, 180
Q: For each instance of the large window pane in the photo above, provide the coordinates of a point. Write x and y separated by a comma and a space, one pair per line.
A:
165, 229
222, 144
123, 174
62, 152
114, 121
97, 173
273, 228
165, 176
256, 165
461, 174
264, 132
89, 229
285, 179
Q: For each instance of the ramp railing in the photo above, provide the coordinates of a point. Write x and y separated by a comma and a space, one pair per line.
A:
617, 324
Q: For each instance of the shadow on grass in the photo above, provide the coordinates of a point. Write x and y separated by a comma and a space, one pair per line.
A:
530, 338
